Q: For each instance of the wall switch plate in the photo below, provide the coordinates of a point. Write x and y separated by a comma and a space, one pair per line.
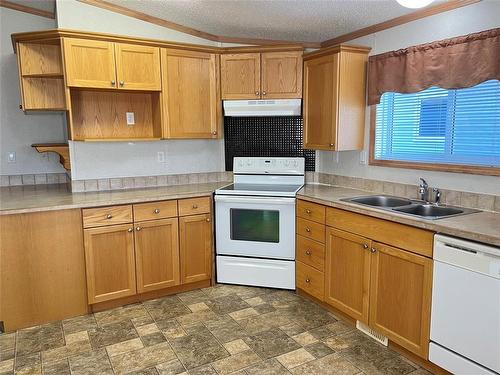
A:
130, 118
161, 157
11, 157
362, 157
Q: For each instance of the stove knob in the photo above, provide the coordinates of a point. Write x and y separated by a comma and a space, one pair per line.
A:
287, 163
249, 162
295, 163
240, 163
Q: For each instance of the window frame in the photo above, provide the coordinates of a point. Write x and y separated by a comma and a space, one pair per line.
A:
455, 168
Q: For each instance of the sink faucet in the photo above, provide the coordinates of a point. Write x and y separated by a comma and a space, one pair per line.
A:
437, 196
423, 190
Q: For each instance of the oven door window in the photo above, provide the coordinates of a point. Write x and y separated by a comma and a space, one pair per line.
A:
255, 225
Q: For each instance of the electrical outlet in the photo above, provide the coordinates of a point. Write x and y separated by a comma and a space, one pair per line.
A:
161, 157
130, 118
11, 157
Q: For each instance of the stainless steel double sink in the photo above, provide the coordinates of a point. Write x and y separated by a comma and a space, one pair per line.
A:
410, 207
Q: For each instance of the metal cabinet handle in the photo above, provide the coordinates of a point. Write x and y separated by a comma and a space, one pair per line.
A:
113, 82
130, 230
122, 83
331, 145
208, 219
308, 211
156, 211
257, 93
138, 229
308, 230
308, 280
195, 206
373, 250
109, 216
308, 252
365, 246
214, 133
264, 93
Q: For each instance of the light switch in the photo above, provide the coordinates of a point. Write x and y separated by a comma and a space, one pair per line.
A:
130, 118
11, 157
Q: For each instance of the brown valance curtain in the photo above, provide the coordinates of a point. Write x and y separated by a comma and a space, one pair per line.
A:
453, 63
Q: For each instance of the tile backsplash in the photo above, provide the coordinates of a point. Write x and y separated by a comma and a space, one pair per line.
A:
78, 186
486, 202
34, 179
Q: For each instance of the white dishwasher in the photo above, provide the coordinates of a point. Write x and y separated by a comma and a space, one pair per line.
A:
465, 319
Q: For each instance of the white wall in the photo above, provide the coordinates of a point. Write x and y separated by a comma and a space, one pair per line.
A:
124, 159
17, 130
473, 18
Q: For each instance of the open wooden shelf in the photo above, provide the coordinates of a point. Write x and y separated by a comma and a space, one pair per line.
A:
98, 115
43, 75
62, 149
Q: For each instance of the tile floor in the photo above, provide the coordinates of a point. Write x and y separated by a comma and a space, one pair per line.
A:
219, 330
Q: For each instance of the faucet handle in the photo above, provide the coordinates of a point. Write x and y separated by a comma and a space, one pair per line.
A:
423, 183
437, 195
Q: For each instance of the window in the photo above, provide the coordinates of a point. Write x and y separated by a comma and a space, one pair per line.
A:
440, 127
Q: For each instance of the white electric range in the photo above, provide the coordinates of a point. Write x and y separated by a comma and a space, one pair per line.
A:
255, 222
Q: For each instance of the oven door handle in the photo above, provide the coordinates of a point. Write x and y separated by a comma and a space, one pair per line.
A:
254, 200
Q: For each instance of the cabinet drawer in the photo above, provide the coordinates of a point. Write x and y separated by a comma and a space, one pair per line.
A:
311, 253
311, 211
310, 280
101, 216
194, 206
311, 229
155, 210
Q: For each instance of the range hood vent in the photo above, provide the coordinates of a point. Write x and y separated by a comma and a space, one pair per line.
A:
249, 108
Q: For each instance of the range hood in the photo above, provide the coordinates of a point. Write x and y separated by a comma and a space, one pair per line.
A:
277, 107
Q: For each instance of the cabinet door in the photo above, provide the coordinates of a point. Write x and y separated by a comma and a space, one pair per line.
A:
156, 254
240, 76
191, 96
400, 297
109, 258
321, 102
138, 67
195, 248
89, 63
347, 273
282, 75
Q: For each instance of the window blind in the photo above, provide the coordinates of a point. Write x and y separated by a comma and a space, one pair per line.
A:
441, 126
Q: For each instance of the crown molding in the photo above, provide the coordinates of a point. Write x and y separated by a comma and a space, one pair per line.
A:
421, 13
27, 9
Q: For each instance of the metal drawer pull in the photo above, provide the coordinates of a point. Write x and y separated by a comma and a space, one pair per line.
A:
373, 250
109, 216
308, 252
365, 246
156, 211
122, 83
113, 82
308, 211
138, 228
256, 93
308, 230
130, 230
308, 280
208, 219
195, 206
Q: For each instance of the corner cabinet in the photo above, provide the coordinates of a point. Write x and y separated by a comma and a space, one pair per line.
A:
376, 271
191, 94
101, 64
266, 75
334, 98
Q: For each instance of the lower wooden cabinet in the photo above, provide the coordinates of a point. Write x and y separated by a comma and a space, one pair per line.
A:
110, 261
195, 234
156, 254
400, 300
347, 269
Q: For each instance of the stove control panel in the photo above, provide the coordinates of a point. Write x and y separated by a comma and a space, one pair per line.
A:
274, 165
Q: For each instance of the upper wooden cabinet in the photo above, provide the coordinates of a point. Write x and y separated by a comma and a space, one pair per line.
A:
100, 64
281, 75
137, 67
334, 98
41, 76
191, 95
273, 75
89, 63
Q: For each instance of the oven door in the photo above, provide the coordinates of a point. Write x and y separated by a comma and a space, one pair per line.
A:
262, 227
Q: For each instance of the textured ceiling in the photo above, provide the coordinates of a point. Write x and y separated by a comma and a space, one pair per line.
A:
290, 20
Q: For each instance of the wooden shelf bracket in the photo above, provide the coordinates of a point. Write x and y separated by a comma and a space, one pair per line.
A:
62, 149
